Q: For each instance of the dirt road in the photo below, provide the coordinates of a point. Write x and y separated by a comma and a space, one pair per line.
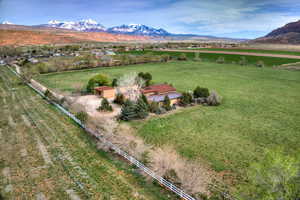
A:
237, 53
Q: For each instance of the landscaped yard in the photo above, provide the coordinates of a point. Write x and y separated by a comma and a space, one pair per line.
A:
260, 109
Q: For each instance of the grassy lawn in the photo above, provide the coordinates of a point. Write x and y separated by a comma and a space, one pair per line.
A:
296, 53
260, 109
44, 154
212, 57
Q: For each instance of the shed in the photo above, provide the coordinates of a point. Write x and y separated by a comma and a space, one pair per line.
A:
105, 92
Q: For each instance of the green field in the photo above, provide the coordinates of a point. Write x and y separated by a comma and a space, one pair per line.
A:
295, 53
44, 155
212, 57
260, 109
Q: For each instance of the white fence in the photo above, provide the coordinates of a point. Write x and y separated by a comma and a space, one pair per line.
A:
122, 153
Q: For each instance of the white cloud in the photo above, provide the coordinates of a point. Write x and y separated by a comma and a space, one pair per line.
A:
220, 17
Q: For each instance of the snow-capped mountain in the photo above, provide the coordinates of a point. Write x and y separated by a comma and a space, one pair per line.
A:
90, 25
7, 22
87, 25
138, 29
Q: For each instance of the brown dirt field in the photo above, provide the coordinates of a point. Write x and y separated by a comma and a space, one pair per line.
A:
238, 53
36, 37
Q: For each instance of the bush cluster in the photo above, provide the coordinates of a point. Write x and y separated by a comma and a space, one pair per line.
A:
147, 77
98, 80
105, 105
82, 116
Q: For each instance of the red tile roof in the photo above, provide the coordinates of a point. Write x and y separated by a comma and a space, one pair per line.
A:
160, 88
102, 88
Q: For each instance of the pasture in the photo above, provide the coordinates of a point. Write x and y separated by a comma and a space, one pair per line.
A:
229, 59
280, 52
44, 155
260, 110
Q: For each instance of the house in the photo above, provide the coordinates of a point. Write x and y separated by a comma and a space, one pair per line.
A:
105, 92
157, 93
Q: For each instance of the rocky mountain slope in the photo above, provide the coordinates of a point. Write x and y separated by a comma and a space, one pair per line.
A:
288, 34
28, 35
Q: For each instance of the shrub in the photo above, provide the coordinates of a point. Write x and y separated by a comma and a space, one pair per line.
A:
105, 106
165, 57
98, 80
213, 99
147, 77
274, 177
145, 158
82, 116
160, 111
201, 92
172, 176
260, 63
197, 57
182, 56
221, 60
114, 82
186, 99
243, 61
154, 107
167, 103
120, 99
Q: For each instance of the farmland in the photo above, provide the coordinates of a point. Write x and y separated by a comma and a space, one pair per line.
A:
44, 155
296, 53
260, 110
230, 59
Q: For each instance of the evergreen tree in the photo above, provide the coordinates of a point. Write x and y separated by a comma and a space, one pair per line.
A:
114, 82
145, 100
167, 103
128, 111
105, 106
142, 108
186, 99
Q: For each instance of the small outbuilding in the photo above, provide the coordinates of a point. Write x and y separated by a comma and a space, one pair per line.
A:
105, 92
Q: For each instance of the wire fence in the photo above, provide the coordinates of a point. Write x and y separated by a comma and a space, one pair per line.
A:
116, 149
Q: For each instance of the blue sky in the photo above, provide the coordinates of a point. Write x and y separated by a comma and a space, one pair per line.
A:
226, 18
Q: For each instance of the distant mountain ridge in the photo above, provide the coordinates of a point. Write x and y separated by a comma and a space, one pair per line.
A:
138, 29
288, 34
89, 25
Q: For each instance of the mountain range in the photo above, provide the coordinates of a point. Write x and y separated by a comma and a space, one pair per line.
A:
90, 25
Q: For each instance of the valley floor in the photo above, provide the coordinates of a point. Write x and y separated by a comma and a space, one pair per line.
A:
260, 110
